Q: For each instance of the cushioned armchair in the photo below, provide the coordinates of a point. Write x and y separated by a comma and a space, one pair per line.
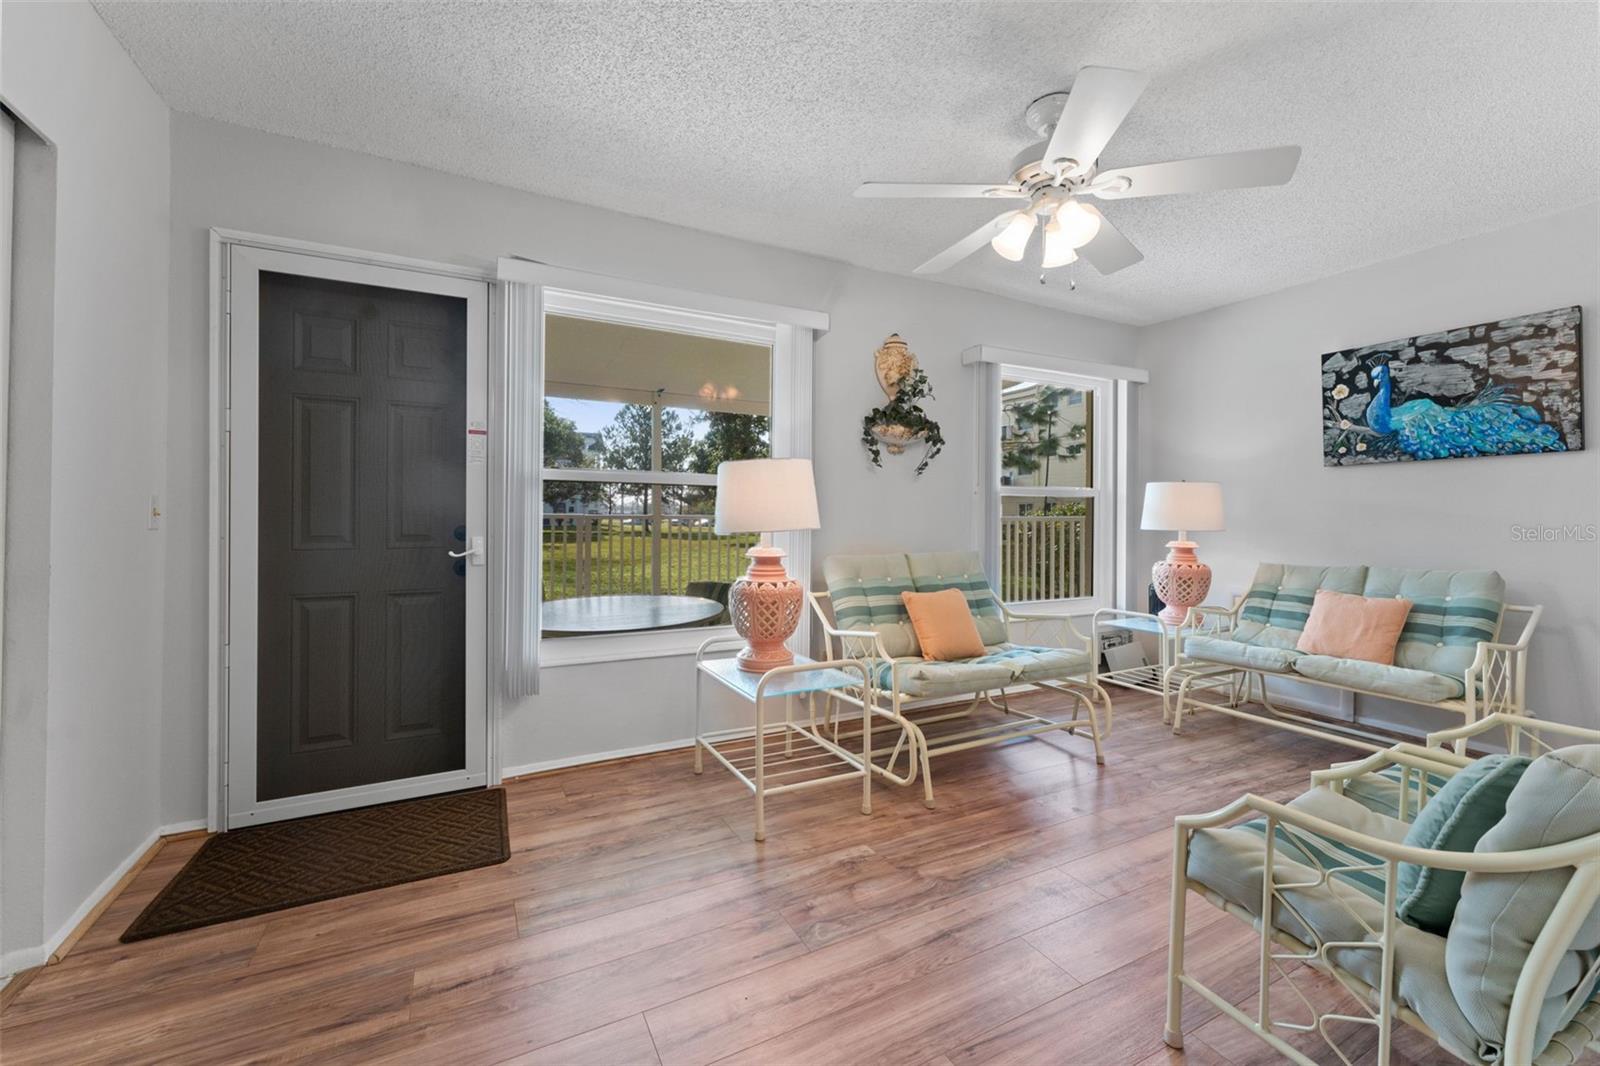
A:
1502, 967
1450, 655
863, 617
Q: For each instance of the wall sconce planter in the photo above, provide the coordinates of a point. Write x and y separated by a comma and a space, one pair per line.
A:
901, 422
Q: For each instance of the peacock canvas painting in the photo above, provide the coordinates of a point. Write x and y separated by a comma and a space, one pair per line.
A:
1498, 388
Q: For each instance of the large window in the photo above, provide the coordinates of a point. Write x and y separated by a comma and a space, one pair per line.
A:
1053, 474
636, 419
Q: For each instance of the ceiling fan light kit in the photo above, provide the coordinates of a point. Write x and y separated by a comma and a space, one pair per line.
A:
1057, 172
1059, 249
1077, 224
1012, 241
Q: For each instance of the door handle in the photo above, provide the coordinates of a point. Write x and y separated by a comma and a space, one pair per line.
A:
474, 552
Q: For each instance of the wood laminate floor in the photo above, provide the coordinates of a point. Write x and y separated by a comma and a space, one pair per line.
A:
1022, 921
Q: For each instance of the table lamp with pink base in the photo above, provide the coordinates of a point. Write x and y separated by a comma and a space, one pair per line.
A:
1181, 579
766, 496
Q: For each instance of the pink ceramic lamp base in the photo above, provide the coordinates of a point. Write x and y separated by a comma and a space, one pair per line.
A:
765, 604
1182, 581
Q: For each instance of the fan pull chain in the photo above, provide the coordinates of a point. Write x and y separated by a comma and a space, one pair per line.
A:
1072, 280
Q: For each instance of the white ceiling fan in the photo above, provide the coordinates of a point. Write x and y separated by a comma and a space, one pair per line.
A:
1057, 174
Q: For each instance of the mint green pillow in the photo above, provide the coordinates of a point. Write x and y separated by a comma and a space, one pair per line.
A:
1467, 807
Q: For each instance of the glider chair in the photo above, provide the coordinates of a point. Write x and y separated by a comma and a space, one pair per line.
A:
1474, 918
863, 617
1451, 656
1400, 788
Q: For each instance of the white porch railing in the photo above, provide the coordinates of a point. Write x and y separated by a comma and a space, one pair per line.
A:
1045, 557
611, 554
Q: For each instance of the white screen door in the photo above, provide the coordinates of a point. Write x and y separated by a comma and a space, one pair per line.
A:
356, 643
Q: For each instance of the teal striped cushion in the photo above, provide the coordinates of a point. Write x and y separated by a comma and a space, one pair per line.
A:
1273, 605
933, 571
1002, 665
869, 602
865, 593
1279, 601
1322, 853
1452, 610
1380, 792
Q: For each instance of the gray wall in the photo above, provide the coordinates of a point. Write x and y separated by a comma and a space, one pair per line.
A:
230, 177
1235, 397
101, 367
25, 697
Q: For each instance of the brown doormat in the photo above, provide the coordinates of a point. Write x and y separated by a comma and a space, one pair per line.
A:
287, 864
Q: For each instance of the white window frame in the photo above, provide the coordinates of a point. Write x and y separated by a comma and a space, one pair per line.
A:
1114, 383
1102, 479
790, 333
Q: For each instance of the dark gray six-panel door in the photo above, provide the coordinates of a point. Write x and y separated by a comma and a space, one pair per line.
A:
362, 641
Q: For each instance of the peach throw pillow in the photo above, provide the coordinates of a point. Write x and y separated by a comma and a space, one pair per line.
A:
1354, 627
944, 624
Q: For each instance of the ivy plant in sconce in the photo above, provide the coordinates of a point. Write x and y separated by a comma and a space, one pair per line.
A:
898, 423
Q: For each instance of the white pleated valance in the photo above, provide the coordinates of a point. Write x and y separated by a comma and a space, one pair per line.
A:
990, 353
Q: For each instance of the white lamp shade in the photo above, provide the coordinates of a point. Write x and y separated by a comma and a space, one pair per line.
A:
1182, 505
766, 496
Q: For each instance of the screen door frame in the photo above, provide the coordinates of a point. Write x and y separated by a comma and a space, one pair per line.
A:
240, 395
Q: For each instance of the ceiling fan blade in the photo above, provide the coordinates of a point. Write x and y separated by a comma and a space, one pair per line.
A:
1233, 170
965, 246
1110, 251
890, 190
1100, 99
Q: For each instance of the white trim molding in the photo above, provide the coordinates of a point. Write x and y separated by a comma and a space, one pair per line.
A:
599, 308
1105, 488
618, 289
349, 264
349, 255
989, 353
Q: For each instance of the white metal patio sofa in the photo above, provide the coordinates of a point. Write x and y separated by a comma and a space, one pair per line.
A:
863, 617
1511, 981
1451, 655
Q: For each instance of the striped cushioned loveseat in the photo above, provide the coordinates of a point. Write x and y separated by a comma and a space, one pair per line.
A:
1448, 656
864, 617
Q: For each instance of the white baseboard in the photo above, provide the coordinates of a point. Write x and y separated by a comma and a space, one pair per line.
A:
15, 961
592, 757
24, 958
688, 742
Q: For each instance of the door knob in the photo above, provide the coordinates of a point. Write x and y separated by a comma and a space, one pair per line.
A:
474, 552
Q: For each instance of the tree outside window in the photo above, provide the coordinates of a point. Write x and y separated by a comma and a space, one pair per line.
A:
1046, 490
626, 401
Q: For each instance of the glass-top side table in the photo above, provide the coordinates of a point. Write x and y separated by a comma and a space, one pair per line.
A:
784, 756
1154, 679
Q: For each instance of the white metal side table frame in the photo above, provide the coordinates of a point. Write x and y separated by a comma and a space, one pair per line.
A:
1155, 679
791, 750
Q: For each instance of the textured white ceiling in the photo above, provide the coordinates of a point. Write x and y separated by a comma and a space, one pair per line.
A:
1422, 123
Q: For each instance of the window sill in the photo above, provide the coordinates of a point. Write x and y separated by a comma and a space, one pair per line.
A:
1077, 607
621, 647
